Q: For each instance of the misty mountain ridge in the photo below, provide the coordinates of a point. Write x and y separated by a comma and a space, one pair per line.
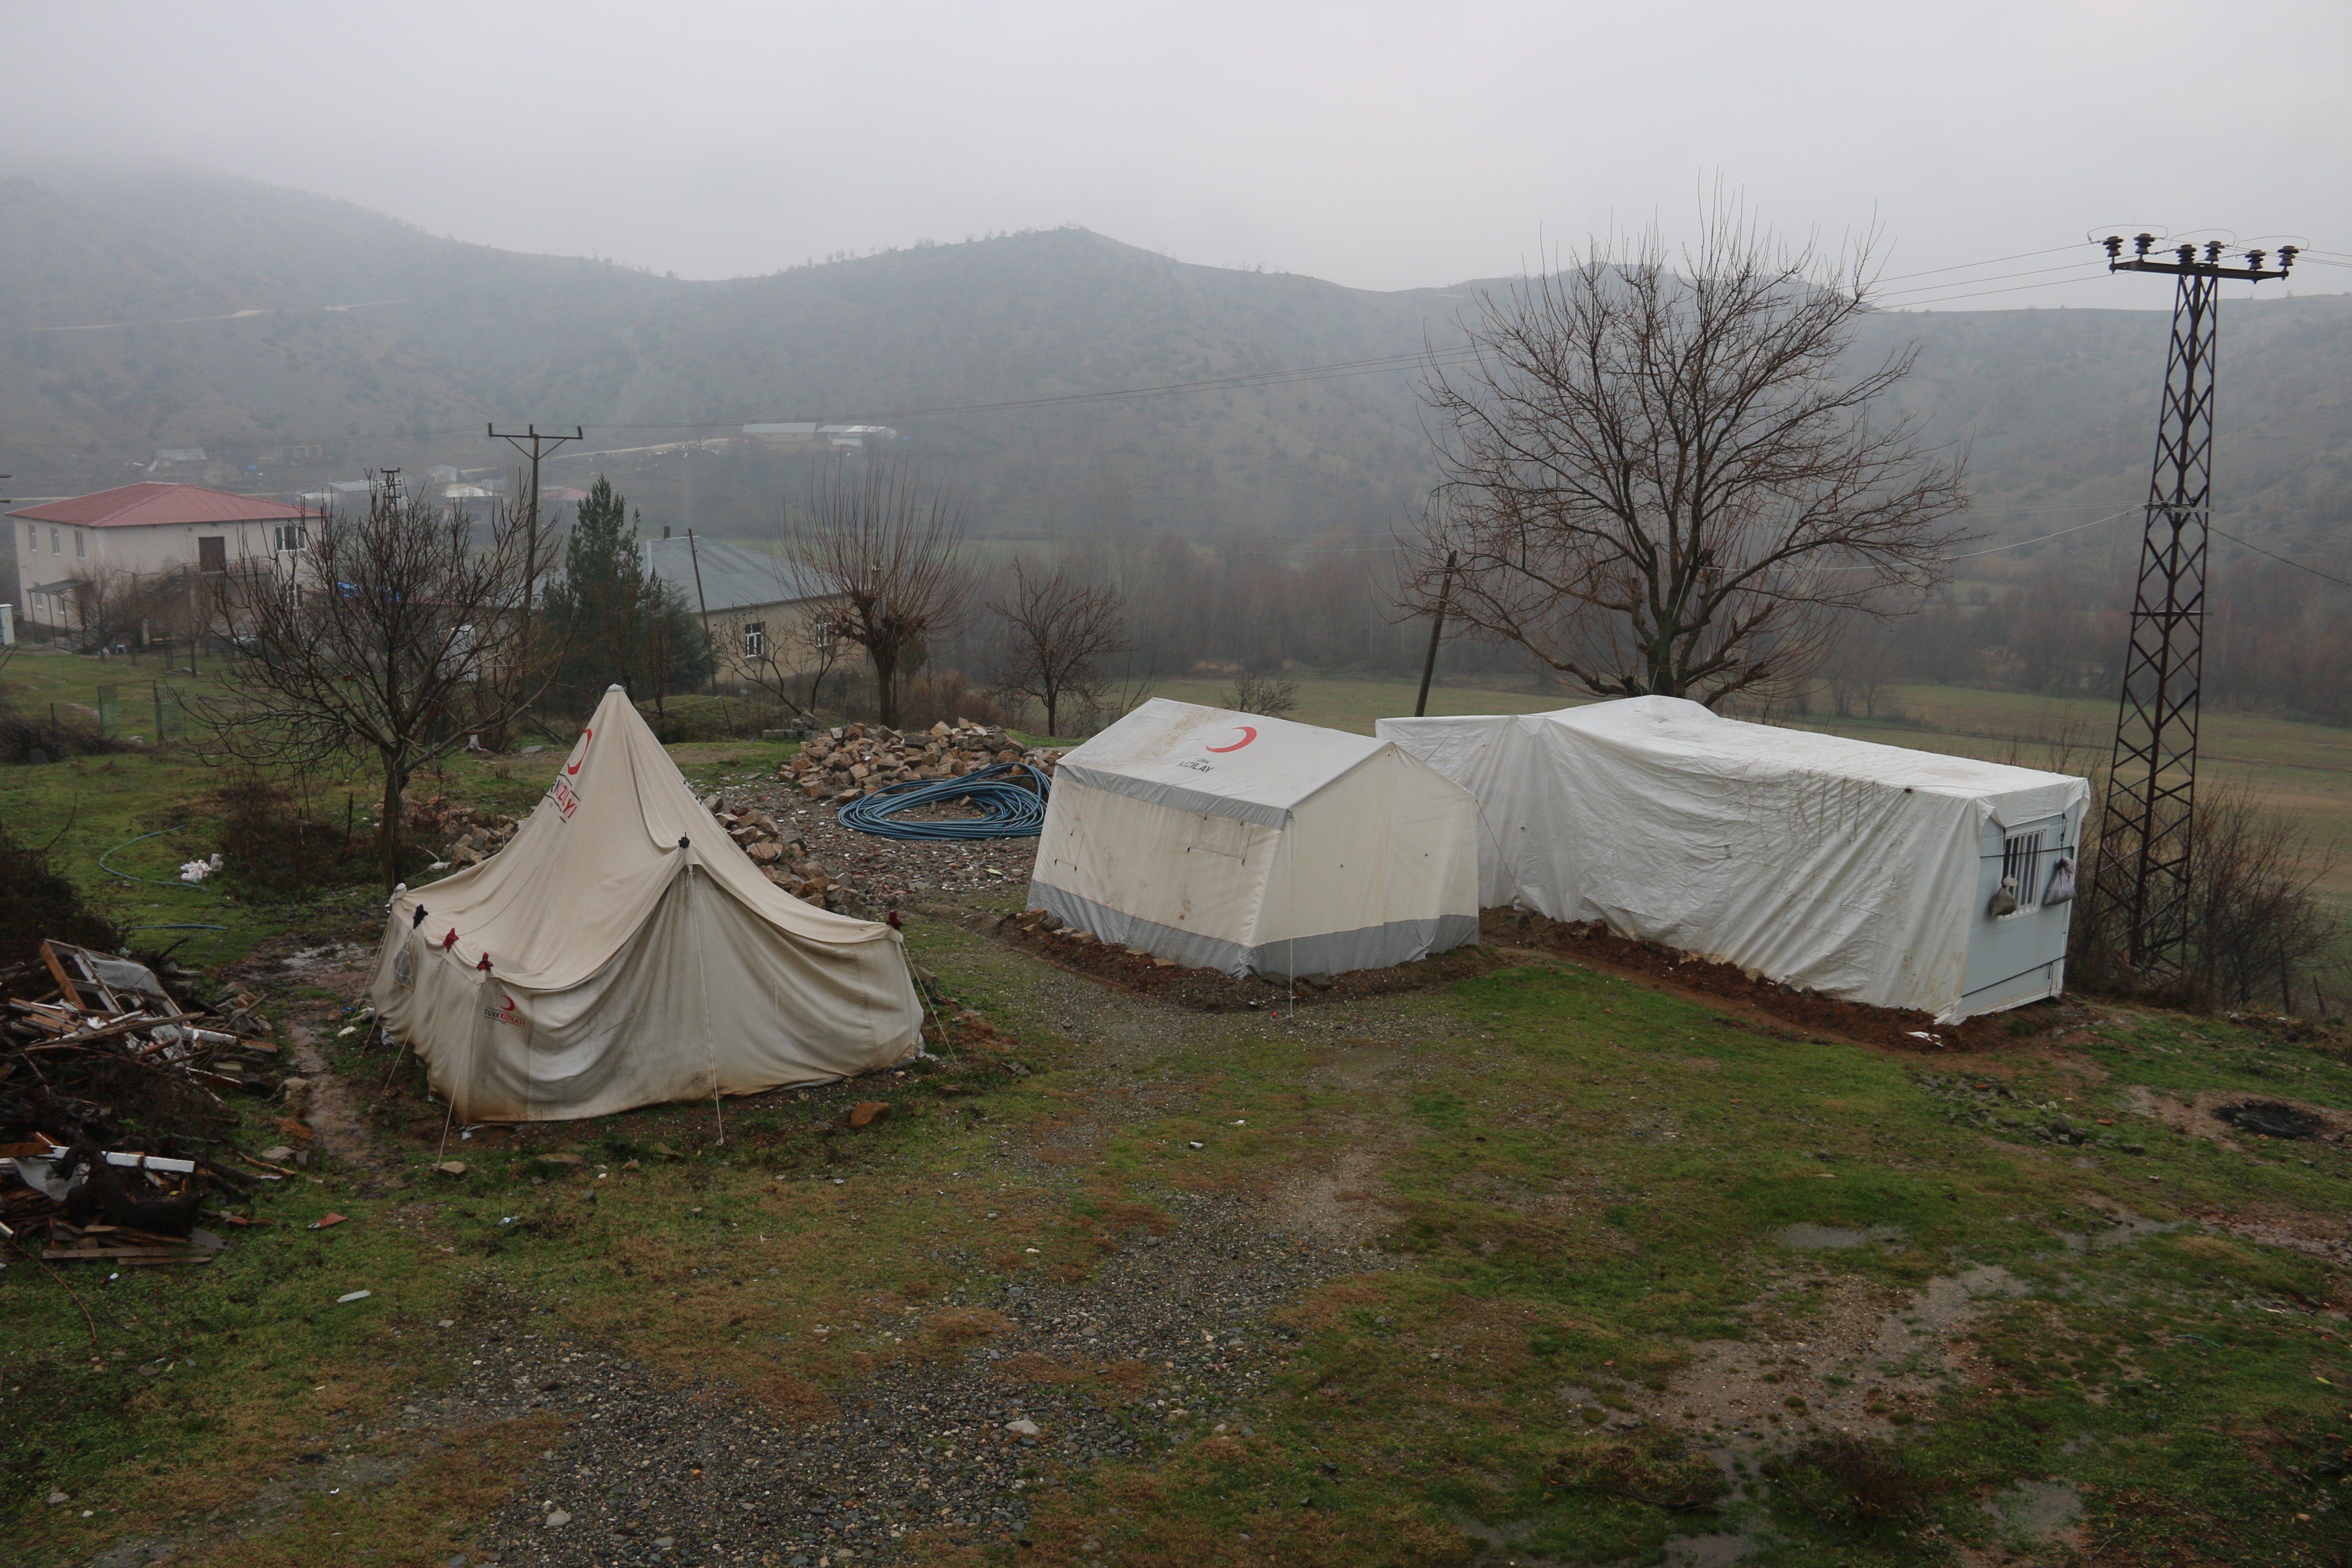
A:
2057, 406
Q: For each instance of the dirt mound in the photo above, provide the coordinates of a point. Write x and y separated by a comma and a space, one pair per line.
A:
1206, 990
1808, 1016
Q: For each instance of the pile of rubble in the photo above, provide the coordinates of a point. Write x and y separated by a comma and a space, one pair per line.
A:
103, 1045
471, 835
858, 759
783, 857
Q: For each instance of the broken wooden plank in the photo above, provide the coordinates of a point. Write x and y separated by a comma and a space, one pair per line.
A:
58, 972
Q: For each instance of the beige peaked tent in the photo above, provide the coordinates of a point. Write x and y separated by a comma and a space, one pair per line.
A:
621, 950
1236, 842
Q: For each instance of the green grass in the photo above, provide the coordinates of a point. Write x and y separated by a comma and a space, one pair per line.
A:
1564, 1257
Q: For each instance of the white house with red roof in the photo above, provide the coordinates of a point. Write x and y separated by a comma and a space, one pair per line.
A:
136, 534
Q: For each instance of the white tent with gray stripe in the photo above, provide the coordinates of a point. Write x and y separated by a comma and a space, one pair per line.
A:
1236, 842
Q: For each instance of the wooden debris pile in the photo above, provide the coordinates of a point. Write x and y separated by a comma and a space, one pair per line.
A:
858, 759
106, 1081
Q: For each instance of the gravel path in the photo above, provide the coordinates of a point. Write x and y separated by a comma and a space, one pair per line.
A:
1177, 1327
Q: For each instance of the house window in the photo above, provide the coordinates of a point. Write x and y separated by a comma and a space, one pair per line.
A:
290, 536
81, 545
2021, 865
211, 554
755, 639
57, 545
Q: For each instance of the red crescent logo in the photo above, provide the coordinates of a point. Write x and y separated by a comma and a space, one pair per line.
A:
507, 1000
586, 735
1248, 734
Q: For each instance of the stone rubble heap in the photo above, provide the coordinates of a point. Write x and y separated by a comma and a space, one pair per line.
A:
859, 759
784, 857
473, 835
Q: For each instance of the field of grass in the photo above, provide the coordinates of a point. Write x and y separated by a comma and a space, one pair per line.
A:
1638, 1262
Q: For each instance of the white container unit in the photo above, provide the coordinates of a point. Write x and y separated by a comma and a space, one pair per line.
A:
1864, 872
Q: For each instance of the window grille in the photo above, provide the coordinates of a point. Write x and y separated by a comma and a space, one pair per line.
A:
2021, 867
755, 639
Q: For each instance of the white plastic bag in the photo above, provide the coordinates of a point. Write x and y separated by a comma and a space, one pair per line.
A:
2004, 899
2061, 882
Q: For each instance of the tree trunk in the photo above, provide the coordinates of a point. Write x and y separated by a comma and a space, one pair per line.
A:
886, 678
388, 830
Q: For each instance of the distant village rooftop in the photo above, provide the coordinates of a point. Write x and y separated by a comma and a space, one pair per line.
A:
154, 503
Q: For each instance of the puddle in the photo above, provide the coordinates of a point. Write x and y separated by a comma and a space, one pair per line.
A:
2269, 1119
1838, 1235
2035, 1510
1709, 1550
2128, 1227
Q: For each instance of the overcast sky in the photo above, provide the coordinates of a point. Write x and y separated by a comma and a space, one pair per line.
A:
1383, 145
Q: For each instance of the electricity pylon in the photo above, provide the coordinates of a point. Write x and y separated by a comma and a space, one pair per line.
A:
2146, 830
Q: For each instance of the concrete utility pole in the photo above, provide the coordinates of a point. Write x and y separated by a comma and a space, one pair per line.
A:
2146, 831
705, 605
1437, 630
534, 446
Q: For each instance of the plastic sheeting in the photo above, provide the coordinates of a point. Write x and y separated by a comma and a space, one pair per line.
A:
633, 955
1853, 870
1240, 843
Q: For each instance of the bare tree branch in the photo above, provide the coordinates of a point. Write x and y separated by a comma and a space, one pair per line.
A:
389, 635
892, 549
1661, 481
1058, 630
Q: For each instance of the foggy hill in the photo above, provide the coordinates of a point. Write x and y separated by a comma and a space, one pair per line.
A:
2059, 405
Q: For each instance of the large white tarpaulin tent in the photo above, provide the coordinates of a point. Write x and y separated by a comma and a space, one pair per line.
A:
1864, 872
1236, 842
621, 950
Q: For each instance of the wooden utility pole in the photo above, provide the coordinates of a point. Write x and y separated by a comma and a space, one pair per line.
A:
704, 605
534, 446
1437, 630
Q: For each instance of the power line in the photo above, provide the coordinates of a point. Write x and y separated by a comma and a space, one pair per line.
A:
2281, 559
1990, 261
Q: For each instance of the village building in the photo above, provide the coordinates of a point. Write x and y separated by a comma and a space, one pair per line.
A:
73, 554
759, 608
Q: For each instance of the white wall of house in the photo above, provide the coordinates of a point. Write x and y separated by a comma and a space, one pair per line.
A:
51, 552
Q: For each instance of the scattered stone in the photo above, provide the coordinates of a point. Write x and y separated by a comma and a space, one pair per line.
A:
1024, 1426
865, 1113
558, 1520
451, 1167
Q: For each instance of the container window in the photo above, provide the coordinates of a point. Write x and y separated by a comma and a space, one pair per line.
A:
2020, 868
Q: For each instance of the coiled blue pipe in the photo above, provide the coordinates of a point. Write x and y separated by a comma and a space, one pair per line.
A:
1011, 810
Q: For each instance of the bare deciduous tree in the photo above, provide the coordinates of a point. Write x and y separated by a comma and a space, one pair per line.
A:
1271, 695
391, 635
1658, 476
892, 549
1058, 630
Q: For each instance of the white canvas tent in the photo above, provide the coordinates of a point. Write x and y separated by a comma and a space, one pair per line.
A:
1860, 871
1240, 843
621, 950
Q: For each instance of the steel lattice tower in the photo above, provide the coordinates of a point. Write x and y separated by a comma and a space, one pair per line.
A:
2146, 833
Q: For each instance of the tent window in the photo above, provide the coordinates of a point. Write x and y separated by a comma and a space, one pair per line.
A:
1219, 836
2020, 858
